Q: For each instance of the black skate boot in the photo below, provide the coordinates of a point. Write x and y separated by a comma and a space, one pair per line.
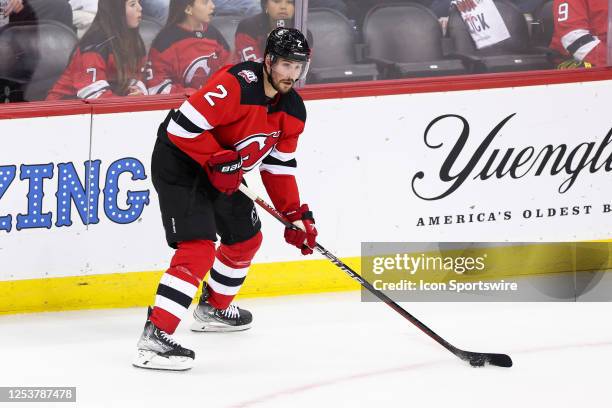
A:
158, 350
209, 319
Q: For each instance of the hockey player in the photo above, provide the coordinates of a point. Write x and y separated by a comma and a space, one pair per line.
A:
247, 115
188, 50
109, 59
580, 32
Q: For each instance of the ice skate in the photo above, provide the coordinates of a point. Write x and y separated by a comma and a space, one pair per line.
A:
209, 319
158, 350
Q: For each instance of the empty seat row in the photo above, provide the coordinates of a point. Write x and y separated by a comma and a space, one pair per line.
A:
407, 41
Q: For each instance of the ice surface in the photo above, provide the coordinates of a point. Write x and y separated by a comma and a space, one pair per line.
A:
327, 350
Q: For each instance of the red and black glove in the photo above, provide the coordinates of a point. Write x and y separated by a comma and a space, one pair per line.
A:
305, 237
224, 171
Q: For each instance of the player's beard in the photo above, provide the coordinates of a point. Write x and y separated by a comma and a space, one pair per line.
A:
287, 84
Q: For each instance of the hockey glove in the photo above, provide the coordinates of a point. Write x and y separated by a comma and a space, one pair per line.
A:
224, 171
305, 237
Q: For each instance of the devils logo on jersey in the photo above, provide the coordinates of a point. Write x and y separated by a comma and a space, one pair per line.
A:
248, 75
198, 71
254, 148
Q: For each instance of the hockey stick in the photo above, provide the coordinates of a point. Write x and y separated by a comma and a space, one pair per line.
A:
474, 358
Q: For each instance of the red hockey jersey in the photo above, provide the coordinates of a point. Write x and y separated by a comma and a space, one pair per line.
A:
182, 60
232, 112
91, 74
581, 28
251, 36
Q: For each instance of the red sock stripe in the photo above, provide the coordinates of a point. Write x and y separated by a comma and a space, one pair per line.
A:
184, 274
219, 301
241, 254
164, 320
197, 256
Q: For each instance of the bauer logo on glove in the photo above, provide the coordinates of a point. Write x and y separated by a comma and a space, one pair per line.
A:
224, 171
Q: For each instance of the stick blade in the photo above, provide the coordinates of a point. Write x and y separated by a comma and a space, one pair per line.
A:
481, 359
500, 360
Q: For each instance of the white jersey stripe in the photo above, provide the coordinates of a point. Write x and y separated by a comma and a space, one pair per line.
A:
165, 88
93, 91
277, 169
177, 130
170, 306
194, 116
179, 284
222, 289
282, 156
225, 270
569, 38
140, 85
582, 52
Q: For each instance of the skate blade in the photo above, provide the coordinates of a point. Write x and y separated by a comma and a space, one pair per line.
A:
212, 328
151, 360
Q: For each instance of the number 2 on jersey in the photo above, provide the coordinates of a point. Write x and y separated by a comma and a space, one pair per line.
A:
209, 95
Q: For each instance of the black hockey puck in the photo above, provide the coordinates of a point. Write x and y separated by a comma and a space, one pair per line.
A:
477, 362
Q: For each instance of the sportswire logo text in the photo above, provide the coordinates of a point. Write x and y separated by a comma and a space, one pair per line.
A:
485, 163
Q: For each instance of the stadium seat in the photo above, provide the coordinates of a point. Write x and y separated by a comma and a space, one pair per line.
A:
148, 31
406, 41
227, 25
543, 25
34, 55
512, 54
334, 57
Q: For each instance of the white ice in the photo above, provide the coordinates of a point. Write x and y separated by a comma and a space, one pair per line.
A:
328, 350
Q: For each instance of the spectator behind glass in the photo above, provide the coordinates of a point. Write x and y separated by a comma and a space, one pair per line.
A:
158, 9
35, 10
188, 50
253, 31
83, 13
442, 7
109, 59
581, 32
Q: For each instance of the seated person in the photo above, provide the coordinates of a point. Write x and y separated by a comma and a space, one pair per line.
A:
253, 31
188, 50
35, 10
109, 59
442, 7
158, 9
83, 13
581, 32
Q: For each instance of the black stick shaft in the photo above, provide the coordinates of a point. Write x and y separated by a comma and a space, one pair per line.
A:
276, 214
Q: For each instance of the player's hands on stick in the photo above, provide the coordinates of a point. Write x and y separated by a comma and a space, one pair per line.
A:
224, 171
305, 236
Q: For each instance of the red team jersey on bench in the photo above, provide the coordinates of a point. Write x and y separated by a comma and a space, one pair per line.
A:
182, 60
581, 30
92, 74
